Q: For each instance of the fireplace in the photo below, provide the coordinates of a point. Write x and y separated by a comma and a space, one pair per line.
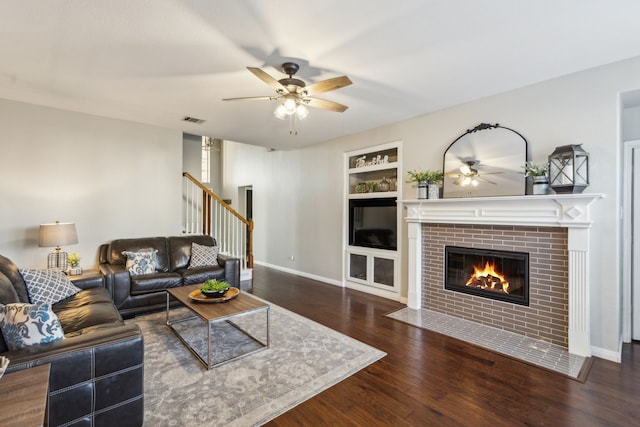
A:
494, 274
553, 229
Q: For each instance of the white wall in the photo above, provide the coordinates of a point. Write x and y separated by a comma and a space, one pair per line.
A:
631, 124
297, 204
113, 178
579, 108
192, 155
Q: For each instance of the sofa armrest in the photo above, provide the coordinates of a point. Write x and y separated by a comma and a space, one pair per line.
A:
117, 280
93, 372
89, 279
231, 267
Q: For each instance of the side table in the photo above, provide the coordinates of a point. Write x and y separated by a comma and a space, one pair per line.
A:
23, 397
90, 278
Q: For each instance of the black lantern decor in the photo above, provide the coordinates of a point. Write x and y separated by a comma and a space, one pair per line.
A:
569, 169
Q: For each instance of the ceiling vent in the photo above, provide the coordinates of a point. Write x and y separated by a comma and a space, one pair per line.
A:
192, 120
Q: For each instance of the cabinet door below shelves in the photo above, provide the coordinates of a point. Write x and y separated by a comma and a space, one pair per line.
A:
373, 269
383, 271
358, 266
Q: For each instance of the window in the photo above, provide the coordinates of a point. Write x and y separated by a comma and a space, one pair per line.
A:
207, 142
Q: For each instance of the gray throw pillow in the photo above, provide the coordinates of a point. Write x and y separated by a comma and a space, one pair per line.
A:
203, 256
48, 286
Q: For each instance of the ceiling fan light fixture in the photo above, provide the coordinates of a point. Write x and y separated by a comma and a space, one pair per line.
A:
290, 105
466, 181
281, 112
474, 182
302, 111
465, 169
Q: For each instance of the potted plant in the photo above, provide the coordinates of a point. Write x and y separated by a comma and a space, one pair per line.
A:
74, 264
539, 175
430, 178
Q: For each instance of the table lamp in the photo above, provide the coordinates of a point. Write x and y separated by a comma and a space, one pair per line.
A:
58, 234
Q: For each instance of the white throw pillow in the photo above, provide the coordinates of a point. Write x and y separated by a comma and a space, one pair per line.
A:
24, 324
48, 286
203, 256
143, 262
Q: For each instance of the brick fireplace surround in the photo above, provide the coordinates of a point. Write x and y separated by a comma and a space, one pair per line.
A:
546, 317
553, 229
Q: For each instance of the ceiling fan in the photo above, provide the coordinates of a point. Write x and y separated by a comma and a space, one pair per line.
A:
469, 175
296, 94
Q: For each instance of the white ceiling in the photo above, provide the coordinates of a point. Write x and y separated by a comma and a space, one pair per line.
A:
156, 61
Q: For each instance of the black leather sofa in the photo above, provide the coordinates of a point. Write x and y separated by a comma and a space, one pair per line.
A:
134, 295
96, 375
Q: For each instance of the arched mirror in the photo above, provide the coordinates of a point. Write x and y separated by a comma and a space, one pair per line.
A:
487, 160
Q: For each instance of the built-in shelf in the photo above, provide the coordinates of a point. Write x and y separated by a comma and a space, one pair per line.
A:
373, 173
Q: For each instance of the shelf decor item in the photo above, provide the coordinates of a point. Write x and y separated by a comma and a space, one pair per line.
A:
429, 179
73, 260
539, 175
569, 169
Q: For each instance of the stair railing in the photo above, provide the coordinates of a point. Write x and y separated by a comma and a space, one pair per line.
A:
206, 213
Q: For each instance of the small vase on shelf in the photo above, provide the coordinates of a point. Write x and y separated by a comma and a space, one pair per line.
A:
421, 190
434, 191
540, 185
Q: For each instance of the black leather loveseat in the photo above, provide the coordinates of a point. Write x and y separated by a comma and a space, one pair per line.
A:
96, 374
136, 294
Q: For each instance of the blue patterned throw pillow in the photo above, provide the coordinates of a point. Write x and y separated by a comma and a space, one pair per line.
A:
24, 324
142, 262
48, 286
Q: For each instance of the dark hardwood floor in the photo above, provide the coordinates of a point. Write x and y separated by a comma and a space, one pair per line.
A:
428, 379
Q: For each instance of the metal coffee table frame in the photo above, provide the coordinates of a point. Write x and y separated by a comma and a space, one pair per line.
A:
211, 313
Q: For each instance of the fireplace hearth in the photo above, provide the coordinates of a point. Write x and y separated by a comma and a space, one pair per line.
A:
493, 274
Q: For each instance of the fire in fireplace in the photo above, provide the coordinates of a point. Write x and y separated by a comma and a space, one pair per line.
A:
500, 275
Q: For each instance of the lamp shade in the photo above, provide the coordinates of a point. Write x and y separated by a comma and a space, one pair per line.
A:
58, 234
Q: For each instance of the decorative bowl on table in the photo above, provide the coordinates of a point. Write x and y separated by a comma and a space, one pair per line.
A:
214, 288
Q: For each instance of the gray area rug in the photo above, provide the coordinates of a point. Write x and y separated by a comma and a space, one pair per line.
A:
304, 358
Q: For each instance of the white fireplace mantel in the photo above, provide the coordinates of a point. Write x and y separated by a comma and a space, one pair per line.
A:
570, 211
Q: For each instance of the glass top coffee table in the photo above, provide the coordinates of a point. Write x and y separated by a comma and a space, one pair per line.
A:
219, 332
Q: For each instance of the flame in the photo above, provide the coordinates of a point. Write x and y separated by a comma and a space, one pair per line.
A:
488, 278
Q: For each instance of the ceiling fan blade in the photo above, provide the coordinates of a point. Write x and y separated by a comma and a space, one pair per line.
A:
268, 80
251, 97
325, 105
459, 180
479, 178
327, 85
452, 175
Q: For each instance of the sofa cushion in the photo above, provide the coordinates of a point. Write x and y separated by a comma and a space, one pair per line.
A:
24, 324
48, 286
116, 247
203, 256
10, 270
202, 274
87, 308
8, 293
148, 283
140, 262
180, 249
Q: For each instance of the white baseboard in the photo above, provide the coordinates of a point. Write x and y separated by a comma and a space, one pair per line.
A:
246, 274
614, 356
301, 273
